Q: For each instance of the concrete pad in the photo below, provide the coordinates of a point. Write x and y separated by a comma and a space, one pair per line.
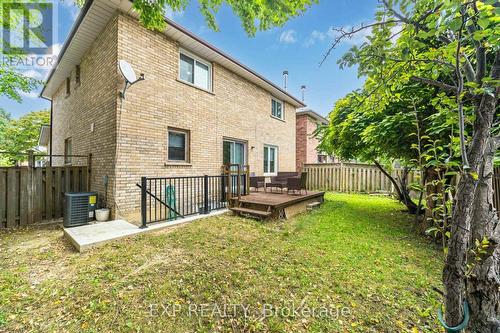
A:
90, 236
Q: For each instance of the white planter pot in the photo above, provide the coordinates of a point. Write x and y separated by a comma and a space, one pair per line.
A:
102, 215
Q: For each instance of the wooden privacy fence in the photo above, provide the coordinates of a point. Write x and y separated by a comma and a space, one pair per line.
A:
351, 177
29, 195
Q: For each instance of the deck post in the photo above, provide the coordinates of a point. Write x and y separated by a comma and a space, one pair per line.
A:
206, 208
143, 203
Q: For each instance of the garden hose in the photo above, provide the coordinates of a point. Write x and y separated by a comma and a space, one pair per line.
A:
460, 327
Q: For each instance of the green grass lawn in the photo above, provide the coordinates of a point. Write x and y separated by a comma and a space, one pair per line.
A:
352, 266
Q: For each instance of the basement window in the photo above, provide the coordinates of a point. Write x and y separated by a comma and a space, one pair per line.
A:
178, 145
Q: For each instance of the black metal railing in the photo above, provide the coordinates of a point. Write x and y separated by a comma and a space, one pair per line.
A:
170, 198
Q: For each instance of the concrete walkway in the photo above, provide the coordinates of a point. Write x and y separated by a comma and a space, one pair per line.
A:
94, 235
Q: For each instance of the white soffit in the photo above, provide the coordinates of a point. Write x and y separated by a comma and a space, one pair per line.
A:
95, 16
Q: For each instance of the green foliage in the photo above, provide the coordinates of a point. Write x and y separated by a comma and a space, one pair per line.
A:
13, 82
255, 15
4, 123
22, 134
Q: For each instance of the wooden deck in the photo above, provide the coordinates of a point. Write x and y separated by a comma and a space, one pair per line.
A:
276, 204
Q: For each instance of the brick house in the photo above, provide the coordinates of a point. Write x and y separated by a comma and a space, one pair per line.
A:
196, 109
306, 143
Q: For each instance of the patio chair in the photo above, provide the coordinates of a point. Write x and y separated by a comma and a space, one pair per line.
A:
297, 183
256, 182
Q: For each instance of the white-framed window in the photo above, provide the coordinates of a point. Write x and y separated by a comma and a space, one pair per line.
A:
234, 152
277, 110
195, 71
270, 160
178, 145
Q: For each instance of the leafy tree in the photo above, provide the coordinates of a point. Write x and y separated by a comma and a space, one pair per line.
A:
13, 81
4, 123
387, 127
22, 134
254, 14
452, 45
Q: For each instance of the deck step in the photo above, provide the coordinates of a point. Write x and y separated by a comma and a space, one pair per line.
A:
251, 211
313, 205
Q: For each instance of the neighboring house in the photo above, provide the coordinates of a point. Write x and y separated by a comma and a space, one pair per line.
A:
308, 122
197, 108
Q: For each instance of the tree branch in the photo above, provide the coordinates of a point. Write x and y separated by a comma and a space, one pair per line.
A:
439, 84
348, 34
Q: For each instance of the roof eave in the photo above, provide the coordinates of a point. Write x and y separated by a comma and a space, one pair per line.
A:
74, 29
291, 99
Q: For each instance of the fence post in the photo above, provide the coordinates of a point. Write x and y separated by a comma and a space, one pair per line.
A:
206, 208
31, 159
143, 203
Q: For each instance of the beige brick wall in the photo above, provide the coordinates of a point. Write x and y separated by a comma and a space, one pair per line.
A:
93, 101
236, 109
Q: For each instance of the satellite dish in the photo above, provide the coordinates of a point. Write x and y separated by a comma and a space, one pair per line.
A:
127, 71
129, 75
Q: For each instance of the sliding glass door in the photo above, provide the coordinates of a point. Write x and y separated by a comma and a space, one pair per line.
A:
234, 152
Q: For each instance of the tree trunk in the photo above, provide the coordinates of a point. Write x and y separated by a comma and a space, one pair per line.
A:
456, 261
401, 190
484, 283
464, 227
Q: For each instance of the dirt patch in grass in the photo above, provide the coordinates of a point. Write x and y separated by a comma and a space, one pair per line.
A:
356, 254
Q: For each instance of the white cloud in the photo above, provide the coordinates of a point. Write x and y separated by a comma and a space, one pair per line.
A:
288, 36
315, 36
331, 34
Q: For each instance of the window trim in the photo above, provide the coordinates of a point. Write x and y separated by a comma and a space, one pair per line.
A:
282, 109
245, 148
67, 157
276, 158
187, 148
200, 60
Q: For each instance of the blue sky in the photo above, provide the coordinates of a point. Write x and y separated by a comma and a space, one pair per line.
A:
297, 47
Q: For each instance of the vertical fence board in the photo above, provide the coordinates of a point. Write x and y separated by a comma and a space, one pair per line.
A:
25, 191
58, 198
3, 197
12, 193
49, 200
75, 173
38, 198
